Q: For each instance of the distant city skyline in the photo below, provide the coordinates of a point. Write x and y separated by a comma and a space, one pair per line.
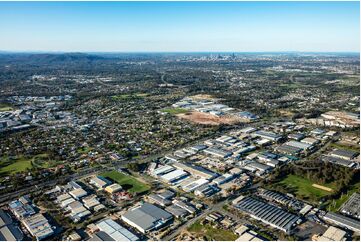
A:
180, 26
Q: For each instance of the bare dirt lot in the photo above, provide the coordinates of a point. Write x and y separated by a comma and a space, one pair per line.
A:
207, 119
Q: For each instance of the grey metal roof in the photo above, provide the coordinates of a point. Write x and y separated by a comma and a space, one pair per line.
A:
10, 233
147, 215
268, 213
347, 222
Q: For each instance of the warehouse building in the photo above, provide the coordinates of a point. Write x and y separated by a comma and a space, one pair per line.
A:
300, 145
99, 182
343, 154
38, 226
176, 211
268, 135
116, 231
343, 221
288, 150
155, 198
147, 217
113, 188
332, 234
21, 209
268, 214
8, 231
162, 170
174, 176
196, 170
218, 152
190, 187
78, 193
274, 196
339, 161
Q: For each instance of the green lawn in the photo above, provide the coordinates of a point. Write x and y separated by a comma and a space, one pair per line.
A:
5, 107
10, 166
128, 182
302, 187
211, 234
20, 164
174, 110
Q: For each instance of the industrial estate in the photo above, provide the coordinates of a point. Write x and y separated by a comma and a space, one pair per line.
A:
246, 147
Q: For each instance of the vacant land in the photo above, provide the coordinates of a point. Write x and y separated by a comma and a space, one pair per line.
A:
129, 183
211, 234
207, 119
174, 111
304, 188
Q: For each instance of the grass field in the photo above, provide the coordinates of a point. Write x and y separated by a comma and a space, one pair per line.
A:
210, 233
302, 187
5, 107
10, 166
19, 164
174, 110
129, 183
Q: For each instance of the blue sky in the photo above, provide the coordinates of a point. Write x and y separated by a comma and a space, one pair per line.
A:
179, 26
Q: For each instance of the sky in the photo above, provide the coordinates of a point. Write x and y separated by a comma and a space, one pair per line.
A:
180, 26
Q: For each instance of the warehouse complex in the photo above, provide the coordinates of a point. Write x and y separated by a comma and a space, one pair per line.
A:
268, 214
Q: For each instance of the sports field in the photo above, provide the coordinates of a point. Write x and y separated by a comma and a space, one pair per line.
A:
305, 188
128, 182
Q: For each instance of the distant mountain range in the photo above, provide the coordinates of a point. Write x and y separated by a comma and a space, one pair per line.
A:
48, 58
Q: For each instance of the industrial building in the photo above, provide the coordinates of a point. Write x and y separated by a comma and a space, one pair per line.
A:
21, 209
99, 182
196, 170
218, 152
9, 231
268, 214
190, 187
343, 154
174, 176
332, 234
38, 226
113, 188
288, 150
78, 193
274, 196
343, 221
176, 211
155, 198
268, 135
116, 231
147, 217
339, 161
